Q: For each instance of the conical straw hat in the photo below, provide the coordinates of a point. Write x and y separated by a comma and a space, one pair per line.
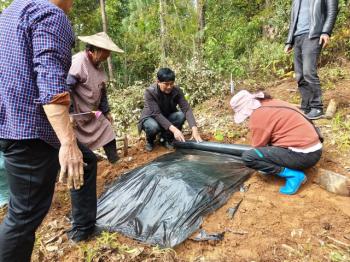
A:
101, 40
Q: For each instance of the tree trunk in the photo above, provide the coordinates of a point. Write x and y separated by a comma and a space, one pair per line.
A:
162, 33
201, 7
104, 24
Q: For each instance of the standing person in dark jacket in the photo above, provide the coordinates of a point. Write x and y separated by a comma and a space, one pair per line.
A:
160, 113
311, 25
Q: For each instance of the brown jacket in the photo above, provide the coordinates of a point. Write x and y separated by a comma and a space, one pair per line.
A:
281, 127
160, 105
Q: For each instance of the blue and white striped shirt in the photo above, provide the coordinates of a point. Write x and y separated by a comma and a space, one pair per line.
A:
36, 38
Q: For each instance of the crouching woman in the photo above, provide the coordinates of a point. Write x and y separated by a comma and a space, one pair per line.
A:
284, 141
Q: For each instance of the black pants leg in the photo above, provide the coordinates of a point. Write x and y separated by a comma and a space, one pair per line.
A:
306, 55
272, 159
152, 128
32, 167
111, 151
84, 200
178, 120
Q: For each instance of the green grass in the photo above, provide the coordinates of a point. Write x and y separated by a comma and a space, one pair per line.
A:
341, 131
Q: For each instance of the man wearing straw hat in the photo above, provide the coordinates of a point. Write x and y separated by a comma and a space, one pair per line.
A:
87, 79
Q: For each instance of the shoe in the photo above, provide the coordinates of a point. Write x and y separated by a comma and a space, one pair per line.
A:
149, 147
294, 179
77, 235
314, 113
169, 145
113, 159
306, 111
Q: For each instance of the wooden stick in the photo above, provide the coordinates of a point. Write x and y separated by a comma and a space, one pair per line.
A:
126, 145
331, 109
338, 242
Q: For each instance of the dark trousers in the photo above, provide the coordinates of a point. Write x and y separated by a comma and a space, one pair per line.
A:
84, 200
32, 167
152, 128
111, 151
306, 54
272, 159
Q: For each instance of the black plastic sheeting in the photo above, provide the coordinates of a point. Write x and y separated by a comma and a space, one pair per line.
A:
231, 149
164, 202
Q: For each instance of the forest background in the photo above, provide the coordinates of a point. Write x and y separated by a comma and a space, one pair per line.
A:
204, 41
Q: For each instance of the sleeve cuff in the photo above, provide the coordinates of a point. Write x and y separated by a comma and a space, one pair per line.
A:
61, 99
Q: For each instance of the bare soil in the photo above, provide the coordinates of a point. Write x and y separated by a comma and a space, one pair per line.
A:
310, 226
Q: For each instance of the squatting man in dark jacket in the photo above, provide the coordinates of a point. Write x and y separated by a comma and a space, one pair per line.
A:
160, 113
311, 25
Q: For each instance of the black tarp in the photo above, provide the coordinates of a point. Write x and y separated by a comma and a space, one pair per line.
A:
164, 202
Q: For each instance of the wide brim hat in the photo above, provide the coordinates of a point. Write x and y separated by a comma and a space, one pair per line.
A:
101, 40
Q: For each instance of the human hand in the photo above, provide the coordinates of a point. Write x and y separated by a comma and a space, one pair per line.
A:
72, 170
324, 40
288, 48
177, 133
70, 157
195, 135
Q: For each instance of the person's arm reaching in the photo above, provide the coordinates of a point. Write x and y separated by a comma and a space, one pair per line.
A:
186, 109
52, 43
178, 135
195, 134
70, 157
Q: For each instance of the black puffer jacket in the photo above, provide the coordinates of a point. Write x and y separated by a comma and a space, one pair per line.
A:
323, 15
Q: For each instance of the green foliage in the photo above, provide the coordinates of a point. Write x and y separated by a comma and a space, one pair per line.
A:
330, 74
339, 256
4, 4
135, 25
245, 38
340, 41
242, 39
197, 81
230, 36
267, 59
126, 105
85, 17
108, 248
341, 126
219, 136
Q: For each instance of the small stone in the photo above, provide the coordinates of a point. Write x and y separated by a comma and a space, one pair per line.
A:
52, 248
327, 226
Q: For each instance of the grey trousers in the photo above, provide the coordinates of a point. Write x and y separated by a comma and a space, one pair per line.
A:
306, 55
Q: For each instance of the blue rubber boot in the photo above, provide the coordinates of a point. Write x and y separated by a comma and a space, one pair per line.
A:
294, 179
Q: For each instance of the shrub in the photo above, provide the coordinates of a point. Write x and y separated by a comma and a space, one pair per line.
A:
197, 81
126, 105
